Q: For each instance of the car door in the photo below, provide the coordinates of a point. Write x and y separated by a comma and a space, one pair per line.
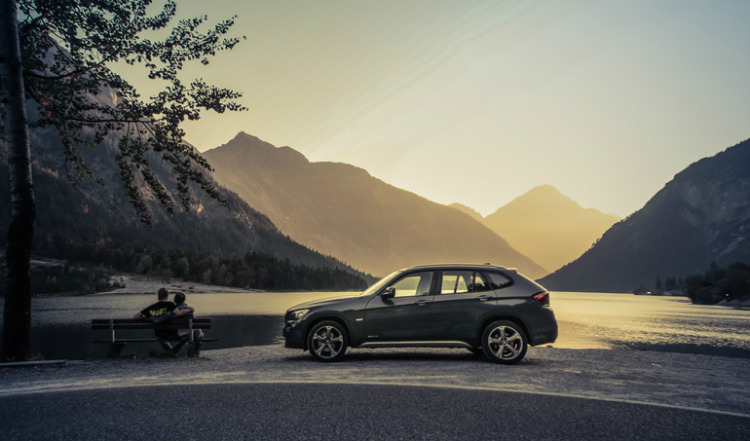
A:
406, 316
463, 299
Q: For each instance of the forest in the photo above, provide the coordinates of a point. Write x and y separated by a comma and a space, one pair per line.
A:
712, 286
74, 267
91, 243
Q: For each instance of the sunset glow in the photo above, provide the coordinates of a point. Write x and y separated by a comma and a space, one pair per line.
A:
478, 102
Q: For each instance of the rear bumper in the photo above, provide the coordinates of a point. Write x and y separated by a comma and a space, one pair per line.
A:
545, 337
545, 330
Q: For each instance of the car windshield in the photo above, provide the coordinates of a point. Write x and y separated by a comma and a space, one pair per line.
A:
379, 284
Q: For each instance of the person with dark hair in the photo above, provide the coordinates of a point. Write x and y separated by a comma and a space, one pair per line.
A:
184, 334
160, 311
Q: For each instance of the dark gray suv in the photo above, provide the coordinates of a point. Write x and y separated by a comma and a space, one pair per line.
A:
486, 309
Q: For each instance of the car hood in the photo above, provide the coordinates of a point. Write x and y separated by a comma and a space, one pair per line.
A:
316, 303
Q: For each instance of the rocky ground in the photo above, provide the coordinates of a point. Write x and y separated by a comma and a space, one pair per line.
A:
671, 379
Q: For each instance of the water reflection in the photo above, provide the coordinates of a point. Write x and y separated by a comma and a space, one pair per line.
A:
61, 326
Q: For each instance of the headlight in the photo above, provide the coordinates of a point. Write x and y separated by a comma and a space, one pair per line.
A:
293, 317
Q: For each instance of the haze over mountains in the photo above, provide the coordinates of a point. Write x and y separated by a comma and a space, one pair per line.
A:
341, 210
547, 226
701, 216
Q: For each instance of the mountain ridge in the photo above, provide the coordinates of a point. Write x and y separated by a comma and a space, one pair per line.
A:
546, 225
701, 216
342, 210
87, 212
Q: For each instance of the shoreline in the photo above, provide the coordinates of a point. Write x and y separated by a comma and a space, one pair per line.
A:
135, 284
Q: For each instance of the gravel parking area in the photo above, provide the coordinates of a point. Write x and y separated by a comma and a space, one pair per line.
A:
692, 381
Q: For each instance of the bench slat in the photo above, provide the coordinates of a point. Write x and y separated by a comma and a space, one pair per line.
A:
167, 326
148, 340
124, 324
144, 321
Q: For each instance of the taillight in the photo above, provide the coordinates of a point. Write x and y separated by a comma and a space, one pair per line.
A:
542, 298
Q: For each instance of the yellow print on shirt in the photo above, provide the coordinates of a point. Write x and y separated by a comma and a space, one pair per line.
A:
157, 312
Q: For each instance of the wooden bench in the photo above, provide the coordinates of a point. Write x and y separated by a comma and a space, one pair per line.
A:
117, 343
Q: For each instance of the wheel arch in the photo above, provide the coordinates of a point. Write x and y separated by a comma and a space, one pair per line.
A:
511, 318
324, 318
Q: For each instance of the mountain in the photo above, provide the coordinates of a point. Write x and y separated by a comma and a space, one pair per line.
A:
468, 210
341, 210
548, 226
76, 222
701, 216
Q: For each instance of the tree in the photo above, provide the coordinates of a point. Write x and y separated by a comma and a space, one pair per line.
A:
59, 55
17, 314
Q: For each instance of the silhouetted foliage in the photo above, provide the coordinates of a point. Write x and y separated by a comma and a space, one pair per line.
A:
717, 284
67, 49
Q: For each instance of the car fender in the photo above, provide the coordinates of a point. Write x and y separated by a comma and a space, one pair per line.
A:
337, 316
503, 313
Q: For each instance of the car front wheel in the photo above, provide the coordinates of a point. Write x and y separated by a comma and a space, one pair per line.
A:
327, 341
504, 342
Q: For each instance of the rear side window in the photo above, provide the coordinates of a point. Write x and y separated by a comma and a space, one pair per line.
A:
497, 280
458, 282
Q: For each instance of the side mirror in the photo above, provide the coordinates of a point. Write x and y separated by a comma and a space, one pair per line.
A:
388, 293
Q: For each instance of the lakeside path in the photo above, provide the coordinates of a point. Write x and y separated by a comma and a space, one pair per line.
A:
685, 381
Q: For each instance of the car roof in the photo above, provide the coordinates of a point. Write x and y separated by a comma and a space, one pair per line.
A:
472, 266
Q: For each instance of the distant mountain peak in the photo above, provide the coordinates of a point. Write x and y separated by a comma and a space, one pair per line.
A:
468, 210
244, 146
549, 226
545, 189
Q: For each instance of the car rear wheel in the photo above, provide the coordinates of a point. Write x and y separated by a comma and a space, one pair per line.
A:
327, 341
504, 342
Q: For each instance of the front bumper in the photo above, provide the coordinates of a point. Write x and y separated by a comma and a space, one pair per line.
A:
294, 336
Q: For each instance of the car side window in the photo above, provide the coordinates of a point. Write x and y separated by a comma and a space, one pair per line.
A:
498, 280
480, 284
417, 284
458, 282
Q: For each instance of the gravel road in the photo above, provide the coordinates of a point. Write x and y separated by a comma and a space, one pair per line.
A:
692, 381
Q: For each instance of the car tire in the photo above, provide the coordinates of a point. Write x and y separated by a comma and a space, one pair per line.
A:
326, 341
504, 342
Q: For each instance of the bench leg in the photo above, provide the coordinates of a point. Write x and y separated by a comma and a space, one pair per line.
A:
115, 349
194, 349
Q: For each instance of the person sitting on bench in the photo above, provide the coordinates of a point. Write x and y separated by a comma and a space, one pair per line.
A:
184, 334
160, 311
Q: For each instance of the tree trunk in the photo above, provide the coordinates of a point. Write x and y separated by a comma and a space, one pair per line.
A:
16, 341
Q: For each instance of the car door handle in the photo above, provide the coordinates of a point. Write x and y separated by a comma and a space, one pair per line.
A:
423, 302
484, 298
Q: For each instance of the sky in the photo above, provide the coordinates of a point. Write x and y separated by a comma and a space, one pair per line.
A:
478, 102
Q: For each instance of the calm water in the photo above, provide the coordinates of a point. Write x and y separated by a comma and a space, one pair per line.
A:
61, 325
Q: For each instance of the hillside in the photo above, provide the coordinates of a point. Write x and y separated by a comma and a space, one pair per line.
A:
341, 210
548, 226
701, 216
94, 224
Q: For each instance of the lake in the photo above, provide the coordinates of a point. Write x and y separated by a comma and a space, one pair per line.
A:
61, 325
